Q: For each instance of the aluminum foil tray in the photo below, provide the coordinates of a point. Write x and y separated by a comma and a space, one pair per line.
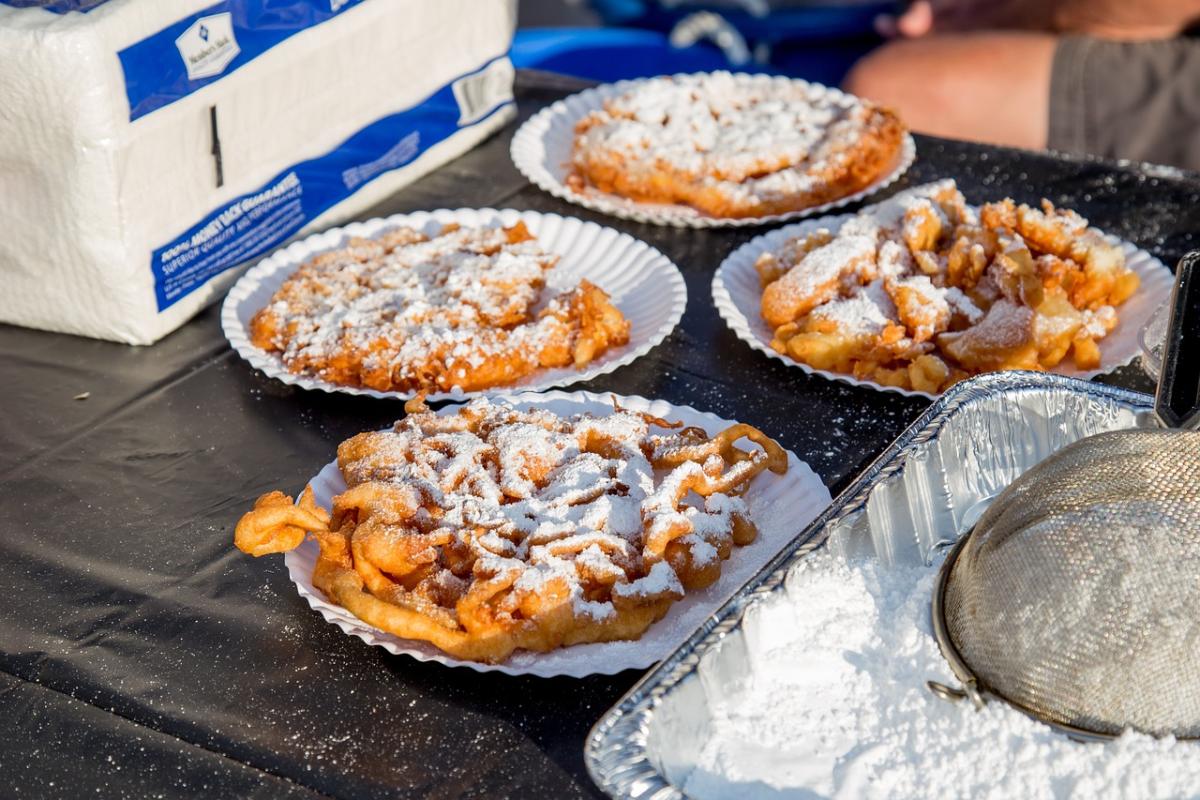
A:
921, 494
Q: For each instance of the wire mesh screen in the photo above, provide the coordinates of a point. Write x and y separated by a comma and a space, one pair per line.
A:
1077, 595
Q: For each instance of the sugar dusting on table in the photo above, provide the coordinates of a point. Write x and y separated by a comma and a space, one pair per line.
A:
836, 706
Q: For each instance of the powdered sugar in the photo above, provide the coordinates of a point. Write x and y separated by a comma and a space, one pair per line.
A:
405, 312
866, 313
836, 706
661, 579
822, 269
568, 506
709, 124
966, 291
1098, 323
961, 304
1005, 325
752, 143
780, 505
932, 309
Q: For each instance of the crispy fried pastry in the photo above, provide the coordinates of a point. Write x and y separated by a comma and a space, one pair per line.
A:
491, 529
730, 147
405, 312
921, 291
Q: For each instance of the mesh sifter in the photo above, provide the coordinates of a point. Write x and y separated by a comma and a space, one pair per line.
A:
1076, 596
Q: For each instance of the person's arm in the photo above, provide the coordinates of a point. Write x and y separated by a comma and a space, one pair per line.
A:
1112, 19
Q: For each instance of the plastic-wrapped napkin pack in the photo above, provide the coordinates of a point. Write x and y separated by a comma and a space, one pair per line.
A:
148, 148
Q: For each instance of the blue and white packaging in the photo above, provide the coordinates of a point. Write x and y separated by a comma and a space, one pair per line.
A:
149, 148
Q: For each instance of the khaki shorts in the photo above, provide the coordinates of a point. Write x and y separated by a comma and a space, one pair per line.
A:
1136, 100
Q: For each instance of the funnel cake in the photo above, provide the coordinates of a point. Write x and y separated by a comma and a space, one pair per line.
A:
411, 313
923, 290
492, 529
731, 147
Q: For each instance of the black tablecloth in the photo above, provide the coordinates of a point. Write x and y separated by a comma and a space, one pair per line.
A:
140, 654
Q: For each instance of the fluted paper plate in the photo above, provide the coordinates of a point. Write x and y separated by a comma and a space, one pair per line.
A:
738, 298
781, 505
541, 150
642, 282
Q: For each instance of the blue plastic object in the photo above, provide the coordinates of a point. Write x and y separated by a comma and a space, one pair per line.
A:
816, 42
812, 22
610, 54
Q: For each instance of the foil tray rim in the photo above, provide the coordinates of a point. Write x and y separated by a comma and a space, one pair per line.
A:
616, 750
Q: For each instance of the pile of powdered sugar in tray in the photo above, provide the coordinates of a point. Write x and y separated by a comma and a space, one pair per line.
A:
836, 706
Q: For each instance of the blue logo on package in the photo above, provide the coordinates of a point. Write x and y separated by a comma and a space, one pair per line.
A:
252, 224
213, 42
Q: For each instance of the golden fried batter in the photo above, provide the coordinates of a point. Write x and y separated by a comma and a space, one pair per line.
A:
733, 148
404, 312
922, 291
492, 529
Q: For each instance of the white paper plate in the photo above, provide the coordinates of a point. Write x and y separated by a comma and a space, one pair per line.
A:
736, 293
642, 282
782, 506
541, 150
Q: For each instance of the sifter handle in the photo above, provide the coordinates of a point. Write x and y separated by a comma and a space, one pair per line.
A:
1177, 402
